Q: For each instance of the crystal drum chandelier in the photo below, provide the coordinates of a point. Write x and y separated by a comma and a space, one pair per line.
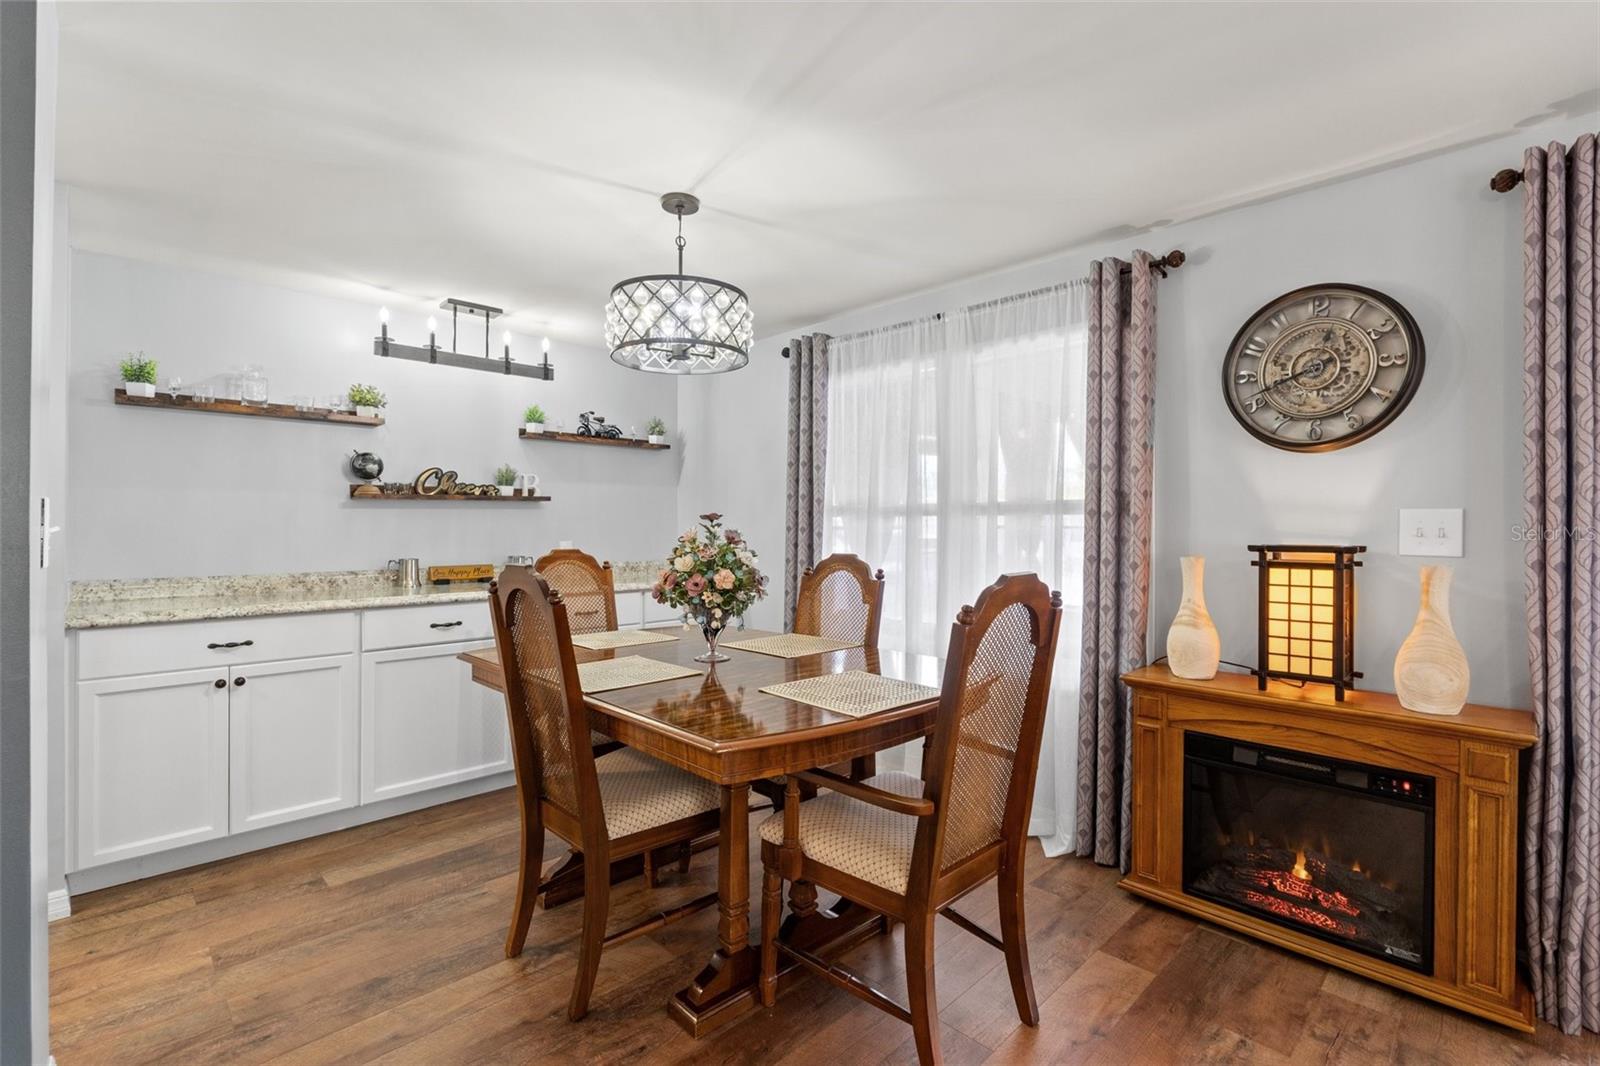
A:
679, 323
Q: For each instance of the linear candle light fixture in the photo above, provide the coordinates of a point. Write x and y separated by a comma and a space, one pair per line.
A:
383, 345
1307, 626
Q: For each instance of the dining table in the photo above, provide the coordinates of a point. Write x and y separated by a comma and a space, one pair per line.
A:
721, 726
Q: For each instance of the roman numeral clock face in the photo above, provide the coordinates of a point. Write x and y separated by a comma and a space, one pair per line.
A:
1323, 367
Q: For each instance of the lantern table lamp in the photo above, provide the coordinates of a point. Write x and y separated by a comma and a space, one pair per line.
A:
1307, 626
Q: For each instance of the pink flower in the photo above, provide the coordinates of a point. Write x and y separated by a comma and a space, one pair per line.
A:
724, 579
732, 536
663, 575
670, 580
694, 583
707, 553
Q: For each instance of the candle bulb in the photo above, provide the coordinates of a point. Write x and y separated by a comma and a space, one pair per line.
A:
433, 344
507, 340
544, 347
383, 328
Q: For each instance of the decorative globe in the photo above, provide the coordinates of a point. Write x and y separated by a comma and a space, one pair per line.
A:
366, 466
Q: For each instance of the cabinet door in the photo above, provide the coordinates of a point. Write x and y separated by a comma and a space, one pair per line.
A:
152, 766
425, 723
292, 739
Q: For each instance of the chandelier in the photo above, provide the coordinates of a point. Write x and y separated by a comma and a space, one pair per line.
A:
679, 323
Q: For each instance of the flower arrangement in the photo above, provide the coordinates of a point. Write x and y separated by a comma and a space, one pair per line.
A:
711, 576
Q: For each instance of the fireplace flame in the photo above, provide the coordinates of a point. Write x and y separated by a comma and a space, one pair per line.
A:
1300, 870
1355, 867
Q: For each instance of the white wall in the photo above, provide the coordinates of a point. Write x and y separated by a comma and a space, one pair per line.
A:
163, 493
1432, 235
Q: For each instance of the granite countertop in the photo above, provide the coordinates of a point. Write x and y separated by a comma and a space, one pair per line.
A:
98, 604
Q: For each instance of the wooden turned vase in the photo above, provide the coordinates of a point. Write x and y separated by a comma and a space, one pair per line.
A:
1430, 672
1193, 648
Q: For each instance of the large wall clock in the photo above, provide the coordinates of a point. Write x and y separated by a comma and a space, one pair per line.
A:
1323, 367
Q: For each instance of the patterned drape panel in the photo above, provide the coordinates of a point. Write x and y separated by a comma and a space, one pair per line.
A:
808, 460
1561, 409
1116, 545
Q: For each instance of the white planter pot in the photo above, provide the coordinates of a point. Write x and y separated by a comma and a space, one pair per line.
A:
658, 438
140, 388
533, 427
366, 412
507, 490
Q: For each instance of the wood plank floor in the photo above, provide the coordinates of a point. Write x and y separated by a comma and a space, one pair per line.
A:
383, 944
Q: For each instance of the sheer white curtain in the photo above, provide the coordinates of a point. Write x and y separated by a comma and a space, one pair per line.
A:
955, 454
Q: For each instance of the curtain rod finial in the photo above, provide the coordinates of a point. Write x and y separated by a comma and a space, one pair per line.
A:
1505, 180
1174, 258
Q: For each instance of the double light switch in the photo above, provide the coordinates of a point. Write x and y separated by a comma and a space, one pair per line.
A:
1430, 531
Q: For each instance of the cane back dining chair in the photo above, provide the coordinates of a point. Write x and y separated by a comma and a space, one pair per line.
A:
909, 847
608, 807
588, 588
840, 598
586, 584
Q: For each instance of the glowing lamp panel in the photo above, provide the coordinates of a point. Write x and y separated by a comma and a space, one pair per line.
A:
1300, 610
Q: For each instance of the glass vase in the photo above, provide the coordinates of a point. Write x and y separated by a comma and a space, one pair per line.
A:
712, 655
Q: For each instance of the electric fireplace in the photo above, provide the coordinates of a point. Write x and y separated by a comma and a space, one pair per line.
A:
1339, 850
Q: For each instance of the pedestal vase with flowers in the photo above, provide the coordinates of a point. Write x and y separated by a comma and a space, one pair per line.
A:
711, 576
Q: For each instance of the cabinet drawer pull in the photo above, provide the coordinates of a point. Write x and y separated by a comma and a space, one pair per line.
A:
220, 683
239, 681
444, 625
231, 644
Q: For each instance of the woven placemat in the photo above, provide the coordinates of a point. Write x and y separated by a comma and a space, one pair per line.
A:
620, 638
626, 672
854, 693
788, 645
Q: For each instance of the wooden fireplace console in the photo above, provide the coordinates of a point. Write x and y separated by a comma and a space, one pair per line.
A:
1473, 758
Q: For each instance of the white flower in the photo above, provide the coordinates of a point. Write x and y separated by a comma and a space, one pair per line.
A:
716, 623
745, 555
717, 613
683, 563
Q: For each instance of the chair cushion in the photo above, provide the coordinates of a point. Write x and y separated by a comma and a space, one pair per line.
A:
640, 793
853, 836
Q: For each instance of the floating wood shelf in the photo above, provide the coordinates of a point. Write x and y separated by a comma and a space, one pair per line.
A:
578, 438
235, 407
416, 497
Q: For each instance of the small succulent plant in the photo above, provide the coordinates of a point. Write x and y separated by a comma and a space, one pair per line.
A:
139, 369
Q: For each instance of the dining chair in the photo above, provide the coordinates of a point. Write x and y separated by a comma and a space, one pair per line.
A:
613, 806
909, 847
588, 587
840, 598
586, 584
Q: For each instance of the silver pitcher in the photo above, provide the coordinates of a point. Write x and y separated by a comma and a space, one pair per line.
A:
407, 572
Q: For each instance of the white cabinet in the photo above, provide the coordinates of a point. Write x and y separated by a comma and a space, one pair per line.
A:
292, 734
152, 765
425, 723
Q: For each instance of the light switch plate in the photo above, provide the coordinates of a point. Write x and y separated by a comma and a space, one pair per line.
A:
1431, 531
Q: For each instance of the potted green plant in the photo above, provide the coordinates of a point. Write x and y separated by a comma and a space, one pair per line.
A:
533, 419
139, 376
367, 400
656, 430
506, 478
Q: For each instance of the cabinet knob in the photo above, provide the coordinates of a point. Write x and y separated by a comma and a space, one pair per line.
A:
238, 682
220, 683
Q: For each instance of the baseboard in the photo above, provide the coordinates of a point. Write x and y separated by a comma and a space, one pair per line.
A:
98, 877
58, 905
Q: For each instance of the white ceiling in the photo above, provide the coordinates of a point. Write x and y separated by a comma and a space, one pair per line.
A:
514, 154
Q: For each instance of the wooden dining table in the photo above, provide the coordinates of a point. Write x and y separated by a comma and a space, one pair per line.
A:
719, 725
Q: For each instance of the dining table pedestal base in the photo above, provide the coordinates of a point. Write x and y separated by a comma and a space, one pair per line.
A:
727, 987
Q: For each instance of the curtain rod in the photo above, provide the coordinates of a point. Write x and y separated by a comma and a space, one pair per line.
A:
1171, 261
1505, 180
